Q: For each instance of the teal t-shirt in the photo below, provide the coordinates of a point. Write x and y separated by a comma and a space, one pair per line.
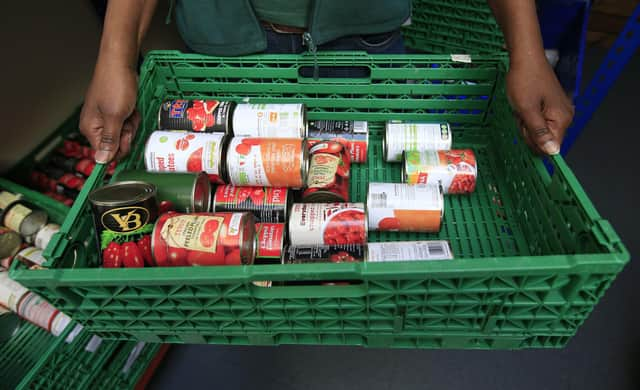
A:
293, 13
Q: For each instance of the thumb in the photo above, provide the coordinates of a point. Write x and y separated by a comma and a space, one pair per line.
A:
539, 132
109, 139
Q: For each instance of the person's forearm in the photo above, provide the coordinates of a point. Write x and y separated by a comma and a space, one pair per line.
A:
519, 23
126, 22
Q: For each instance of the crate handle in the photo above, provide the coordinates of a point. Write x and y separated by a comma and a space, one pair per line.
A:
334, 74
305, 292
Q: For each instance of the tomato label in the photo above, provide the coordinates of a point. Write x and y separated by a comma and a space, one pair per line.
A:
269, 120
402, 136
454, 170
354, 135
193, 232
327, 223
195, 115
408, 251
265, 162
268, 204
403, 207
269, 240
328, 179
322, 170
173, 151
37, 310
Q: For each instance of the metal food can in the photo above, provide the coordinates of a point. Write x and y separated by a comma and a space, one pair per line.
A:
31, 256
328, 178
327, 224
354, 135
7, 199
454, 170
124, 212
38, 311
11, 292
324, 254
404, 207
269, 162
204, 239
196, 115
408, 251
185, 192
44, 235
181, 151
270, 120
270, 241
267, 204
405, 136
24, 218
9, 323
10, 242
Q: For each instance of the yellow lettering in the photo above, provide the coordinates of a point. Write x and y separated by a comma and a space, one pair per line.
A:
130, 221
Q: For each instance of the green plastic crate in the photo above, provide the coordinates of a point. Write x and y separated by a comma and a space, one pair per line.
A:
453, 26
533, 256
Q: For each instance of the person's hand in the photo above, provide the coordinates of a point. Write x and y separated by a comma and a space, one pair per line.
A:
109, 119
541, 105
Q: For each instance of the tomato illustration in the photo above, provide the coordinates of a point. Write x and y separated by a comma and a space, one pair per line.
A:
243, 149
144, 244
194, 163
111, 256
131, 255
182, 144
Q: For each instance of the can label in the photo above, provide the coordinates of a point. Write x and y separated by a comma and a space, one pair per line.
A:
269, 120
454, 170
266, 162
400, 136
327, 224
267, 204
45, 234
354, 135
269, 240
38, 311
10, 242
328, 172
200, 239
195, 115
14, 217
403, 207
32, 255
408, 251
173, 151
11, 292
6, 199
324, 254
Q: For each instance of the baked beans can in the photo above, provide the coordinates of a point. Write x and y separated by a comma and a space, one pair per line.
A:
7, 199
408, 251
270, 239
270, 120
11, 292
328, 178
404, 207
10, 242
267, 204
181, 192
9, 323
182, 151
24, 218
405, 136
204, 239
454, 170
354, 135
324, 254
327, 224
124, 213
196, 115
268, 162
44, 235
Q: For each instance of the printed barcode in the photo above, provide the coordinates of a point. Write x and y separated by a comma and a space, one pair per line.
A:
378, 200
436, 249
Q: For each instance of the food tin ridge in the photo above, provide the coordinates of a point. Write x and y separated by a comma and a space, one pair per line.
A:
150, 191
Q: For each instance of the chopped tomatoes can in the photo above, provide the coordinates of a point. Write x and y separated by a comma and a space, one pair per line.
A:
196, 115
270, 238
454, 170
270, 120
324, 254
267, 204
354, 135
327, 224
404, 207
328, 178
404, 136
204, 239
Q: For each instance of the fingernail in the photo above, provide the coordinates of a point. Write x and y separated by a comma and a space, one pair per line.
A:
102, 157
551, 148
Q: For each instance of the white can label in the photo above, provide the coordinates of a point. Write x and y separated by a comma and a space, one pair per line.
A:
15, 216
403, 207
6, 198
38, 311
327, 223
408, 251
269, 120
416, 136
32, 255
45, 234
10, 292
177, 151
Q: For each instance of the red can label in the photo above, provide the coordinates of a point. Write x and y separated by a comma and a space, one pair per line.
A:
195, 115
269, 240
199, 239
327, 224
268, 204
454, 170
352, 134
328, 172
37, 310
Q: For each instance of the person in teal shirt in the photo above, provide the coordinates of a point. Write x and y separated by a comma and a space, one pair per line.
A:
229, 28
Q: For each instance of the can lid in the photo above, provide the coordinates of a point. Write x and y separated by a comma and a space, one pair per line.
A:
385, 146
122, 193
201, 194
10, 242
323, 196
33, 222
247, 239
304, 166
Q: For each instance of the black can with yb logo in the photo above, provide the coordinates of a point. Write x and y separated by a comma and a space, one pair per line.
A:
124, 212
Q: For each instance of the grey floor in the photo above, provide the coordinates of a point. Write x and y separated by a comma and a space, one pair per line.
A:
605, 354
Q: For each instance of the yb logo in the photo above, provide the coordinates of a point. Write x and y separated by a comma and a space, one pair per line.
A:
125, 219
